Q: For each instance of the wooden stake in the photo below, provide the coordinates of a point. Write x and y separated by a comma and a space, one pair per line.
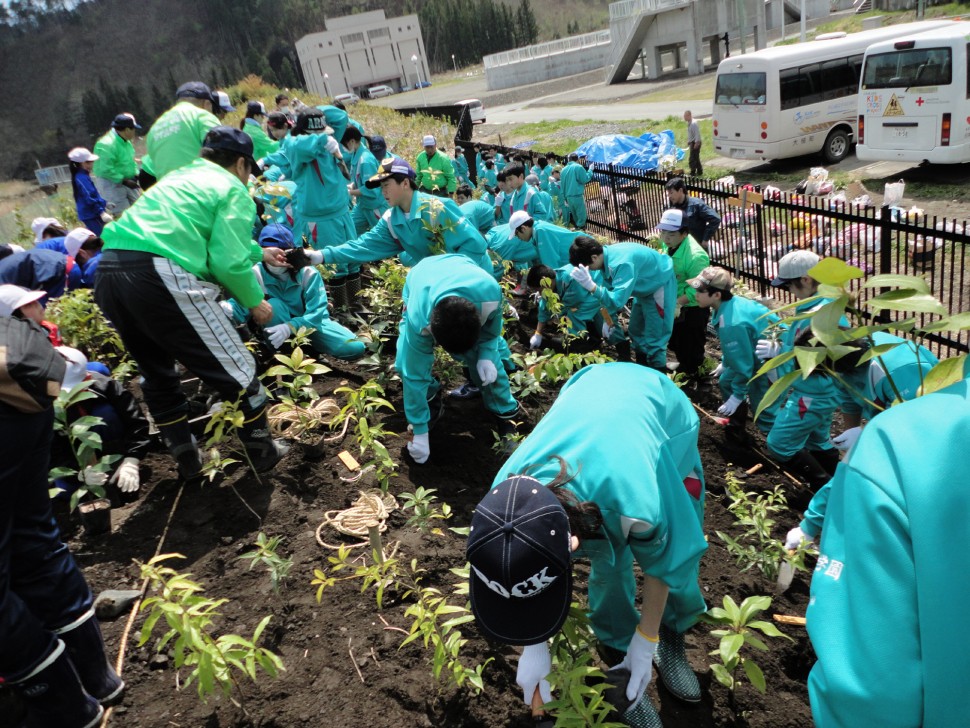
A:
348, 460
788, 619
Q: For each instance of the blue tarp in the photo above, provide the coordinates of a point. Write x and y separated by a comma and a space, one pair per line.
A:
643, 152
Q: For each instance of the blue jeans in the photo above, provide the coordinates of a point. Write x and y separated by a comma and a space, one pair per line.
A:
41, 588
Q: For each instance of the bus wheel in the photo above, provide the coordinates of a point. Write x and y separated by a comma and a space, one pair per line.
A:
836, 146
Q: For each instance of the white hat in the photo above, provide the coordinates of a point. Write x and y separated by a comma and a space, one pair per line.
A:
224, 103
428, 141
76, 238
81, 155
519, 217
40, 224
13, 297
794, 265
77, 366
671, 220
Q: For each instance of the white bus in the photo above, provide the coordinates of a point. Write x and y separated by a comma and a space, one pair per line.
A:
786, 101
914, 100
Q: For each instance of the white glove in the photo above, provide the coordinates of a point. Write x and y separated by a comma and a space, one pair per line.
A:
126, 476
718, 369
581, 275
730, 407
795, 537
419, 448
486, 372
513, 312
767, 349
315, 256
106, 217
278, 334
333, 147
847, 439
639, 662
607, 330
90, 476
535, 664
535, 341
226, 308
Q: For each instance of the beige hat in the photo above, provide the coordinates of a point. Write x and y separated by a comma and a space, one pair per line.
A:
713, 277
794, 265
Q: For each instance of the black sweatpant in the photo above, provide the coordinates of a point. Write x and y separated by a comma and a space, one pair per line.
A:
165, 314
688, 337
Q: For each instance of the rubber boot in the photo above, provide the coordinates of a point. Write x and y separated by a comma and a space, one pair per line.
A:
676, 673
828, 459
806, 466
735, 432
263, 450
178, 438
623, 350
55, 697
640, 713
85, 646
338, 293
640, 358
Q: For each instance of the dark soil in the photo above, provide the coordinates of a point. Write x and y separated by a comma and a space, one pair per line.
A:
320, 644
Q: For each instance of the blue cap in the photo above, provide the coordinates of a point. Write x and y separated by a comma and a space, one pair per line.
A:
230, 139
388, 168
125, 121
275, 235
194, 90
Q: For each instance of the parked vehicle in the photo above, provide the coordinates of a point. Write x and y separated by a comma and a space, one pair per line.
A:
346, 99
476, 109
376, 92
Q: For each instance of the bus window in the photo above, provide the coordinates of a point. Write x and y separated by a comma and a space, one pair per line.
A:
836, 79
903, 69
740, 88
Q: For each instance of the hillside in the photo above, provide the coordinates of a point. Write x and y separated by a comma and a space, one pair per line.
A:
65, 75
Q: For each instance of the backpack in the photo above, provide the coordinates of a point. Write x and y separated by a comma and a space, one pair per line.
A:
31, 370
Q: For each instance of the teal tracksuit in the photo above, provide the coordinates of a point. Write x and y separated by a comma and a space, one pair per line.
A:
503, 206
427, 283
580, 306
460, 165
573, 179
628, 436
805, 417
549, 244
740, 322
435, 225
480, 213
906, 365
303, 302
543, 173
322, 200
555, 193
370, 205
527, 198
891, 579
631, 270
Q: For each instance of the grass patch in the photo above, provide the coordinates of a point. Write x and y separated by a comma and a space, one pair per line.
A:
853, 23
928, 191
701, 89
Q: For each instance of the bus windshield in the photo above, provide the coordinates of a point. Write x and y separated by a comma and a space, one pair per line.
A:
740, 88
902, 69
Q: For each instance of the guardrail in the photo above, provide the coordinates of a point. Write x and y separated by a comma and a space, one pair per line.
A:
60, 175
631, 8
574, 42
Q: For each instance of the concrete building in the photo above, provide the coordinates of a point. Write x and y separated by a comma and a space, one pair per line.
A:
545, 61
356, 52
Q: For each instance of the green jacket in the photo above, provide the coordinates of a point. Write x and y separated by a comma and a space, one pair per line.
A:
689, 260
436, 173
116, 158
176, 137
200, 217
262, 144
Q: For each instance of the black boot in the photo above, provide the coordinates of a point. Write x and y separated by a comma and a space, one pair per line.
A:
809, 469
263, 450
337, 287
640, 358
178, 438
85, 646
828, 459
354, 301
55, 697
623, 351
735, 432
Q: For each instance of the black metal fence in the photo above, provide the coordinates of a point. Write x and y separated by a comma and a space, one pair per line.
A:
626, 203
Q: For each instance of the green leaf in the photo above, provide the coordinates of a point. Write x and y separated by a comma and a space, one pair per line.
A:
776, 390
879, 350
730, 646
723, 676
731, 607
826, 321
775, 363
897, 280
834, 272
752, 606
767, 628
956, 322
907, 300
947, 372
809, 357
755, 675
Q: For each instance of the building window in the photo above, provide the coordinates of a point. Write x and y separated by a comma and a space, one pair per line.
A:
378, 33
409, 27
352, 38
330, 43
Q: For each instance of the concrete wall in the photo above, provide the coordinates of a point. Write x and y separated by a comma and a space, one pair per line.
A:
363, 50
544, 68
897, 5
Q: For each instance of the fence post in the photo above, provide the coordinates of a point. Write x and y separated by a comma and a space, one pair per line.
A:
760, 238
616, 199
885, 255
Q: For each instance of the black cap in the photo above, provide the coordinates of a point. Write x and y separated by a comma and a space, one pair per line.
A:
378, 147
311, 120
194, 90
521, 582
230, 139
277, 120
255, 108
125, 121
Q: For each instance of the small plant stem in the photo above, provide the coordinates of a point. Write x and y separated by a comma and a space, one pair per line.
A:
350, 652
374, 533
